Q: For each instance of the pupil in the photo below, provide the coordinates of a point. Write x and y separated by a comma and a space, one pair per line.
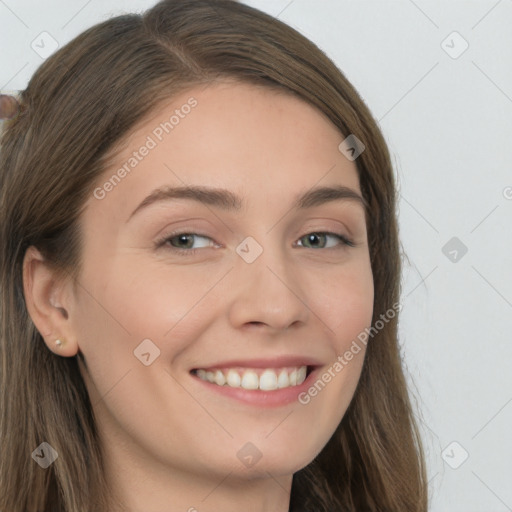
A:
312, 238
183, 238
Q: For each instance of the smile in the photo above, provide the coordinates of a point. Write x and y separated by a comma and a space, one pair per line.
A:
264, 379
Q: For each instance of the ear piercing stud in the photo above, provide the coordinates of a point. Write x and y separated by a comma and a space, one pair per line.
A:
58, 343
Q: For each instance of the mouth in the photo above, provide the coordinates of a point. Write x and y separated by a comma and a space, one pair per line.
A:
275, 381
255, 379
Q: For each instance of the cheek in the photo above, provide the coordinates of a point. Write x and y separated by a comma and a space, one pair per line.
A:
344, 300
139, 299
346, 308
167, 305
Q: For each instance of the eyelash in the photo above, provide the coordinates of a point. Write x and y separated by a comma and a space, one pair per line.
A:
345, 242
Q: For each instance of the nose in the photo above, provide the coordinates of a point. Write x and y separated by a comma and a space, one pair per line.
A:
267, 293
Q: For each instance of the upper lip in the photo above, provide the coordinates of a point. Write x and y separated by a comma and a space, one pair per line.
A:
274, 362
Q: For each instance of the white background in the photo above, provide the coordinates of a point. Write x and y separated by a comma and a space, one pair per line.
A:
448, 123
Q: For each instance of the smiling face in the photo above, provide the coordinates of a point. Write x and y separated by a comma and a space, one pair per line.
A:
223, 287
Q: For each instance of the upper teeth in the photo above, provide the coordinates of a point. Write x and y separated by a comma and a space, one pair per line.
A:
267, 380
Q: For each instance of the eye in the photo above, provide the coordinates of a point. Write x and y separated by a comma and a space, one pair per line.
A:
181, 243
318, 238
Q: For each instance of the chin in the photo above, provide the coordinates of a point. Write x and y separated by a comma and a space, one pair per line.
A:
277, 463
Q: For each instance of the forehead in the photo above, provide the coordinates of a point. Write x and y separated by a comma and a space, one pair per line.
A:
261, 143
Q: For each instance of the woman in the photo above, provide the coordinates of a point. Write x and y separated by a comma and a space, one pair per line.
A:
200, 278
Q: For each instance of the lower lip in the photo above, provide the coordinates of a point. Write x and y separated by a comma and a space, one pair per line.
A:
257, 397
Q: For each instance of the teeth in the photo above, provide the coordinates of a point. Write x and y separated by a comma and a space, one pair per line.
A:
250, 380
268, 380
301, 374
219, 378
234, 379
283, 380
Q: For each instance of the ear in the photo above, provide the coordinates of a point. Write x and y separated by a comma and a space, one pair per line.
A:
49, 303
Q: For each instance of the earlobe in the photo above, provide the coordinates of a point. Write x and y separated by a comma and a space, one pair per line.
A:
48, 300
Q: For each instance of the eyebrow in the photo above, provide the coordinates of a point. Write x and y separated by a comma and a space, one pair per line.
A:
229, 201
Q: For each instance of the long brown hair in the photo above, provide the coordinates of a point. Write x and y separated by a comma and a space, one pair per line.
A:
78, 105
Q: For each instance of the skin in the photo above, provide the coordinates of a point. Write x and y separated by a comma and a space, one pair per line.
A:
175, 440
8, 106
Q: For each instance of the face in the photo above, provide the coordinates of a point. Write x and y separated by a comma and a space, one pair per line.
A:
255, 288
